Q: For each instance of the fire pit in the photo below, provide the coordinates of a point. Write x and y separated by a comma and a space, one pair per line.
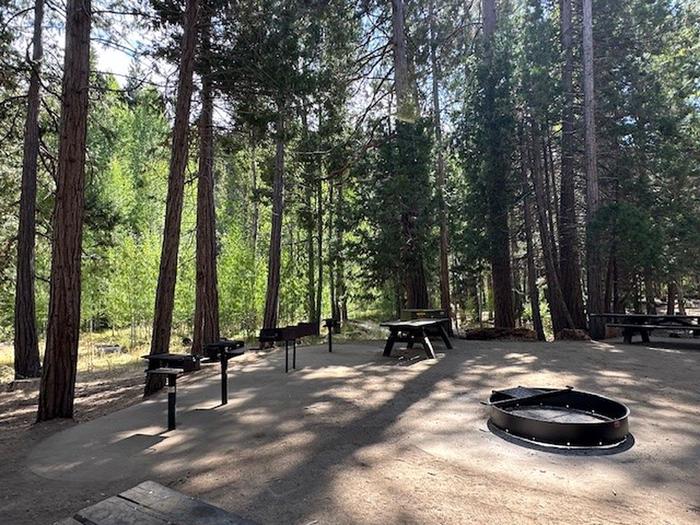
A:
559, 417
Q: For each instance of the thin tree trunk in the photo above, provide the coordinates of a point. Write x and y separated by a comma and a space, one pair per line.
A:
561, 318
57, 389
593, 270
256, 206
445, 301
206, 320
167, 276
681, 299
649, 293
533, 292
498, 229
309, 226
569, 259
405, 105
671, 292
275, 253
26, 344
319, 239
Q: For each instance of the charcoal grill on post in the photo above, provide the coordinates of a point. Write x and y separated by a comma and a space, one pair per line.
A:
559, 417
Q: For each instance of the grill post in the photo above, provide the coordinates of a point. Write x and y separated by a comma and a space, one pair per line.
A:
172, 393
224, 377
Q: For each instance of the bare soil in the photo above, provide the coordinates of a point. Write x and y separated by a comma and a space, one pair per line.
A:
352, 437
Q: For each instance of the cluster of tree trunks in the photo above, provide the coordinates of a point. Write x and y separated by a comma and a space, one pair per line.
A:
206, 311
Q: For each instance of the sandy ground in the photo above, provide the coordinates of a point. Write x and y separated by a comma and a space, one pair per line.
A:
352, 437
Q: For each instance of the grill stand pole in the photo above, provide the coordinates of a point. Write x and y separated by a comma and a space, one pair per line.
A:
294, 355
172, 394
330, 338
286, 357
224, 377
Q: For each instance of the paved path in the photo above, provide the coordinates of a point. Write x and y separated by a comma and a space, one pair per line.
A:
353, 437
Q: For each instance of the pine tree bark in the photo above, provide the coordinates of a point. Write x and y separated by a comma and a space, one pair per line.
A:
533, 292
275, 251
445, 300
593, 259
569, 259
57, 390
167, 276
26, 343
206, 316
319, 240
405, 105
671, 293
498, 229
309, 226
561, 318
414, 278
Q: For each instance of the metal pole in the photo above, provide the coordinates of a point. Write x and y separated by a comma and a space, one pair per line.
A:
330, 337
172, 393
294, 355
224, 377
286, 357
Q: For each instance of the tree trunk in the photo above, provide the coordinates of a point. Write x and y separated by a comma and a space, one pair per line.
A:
593, 270
649, 293
569, 260
57, 389
319, 240
256, 206
405, 105
26, 358
445, 301
671, 292
681, 299
561, 318
308, 222
275, 253
533, 292
206, 310
498, 229
165, 292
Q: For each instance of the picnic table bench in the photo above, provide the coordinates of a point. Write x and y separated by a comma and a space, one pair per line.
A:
644, 324
150, 503
415, 331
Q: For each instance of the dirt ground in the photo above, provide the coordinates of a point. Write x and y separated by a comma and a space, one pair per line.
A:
352, 437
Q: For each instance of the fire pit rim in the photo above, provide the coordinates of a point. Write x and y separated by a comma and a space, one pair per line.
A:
608, 432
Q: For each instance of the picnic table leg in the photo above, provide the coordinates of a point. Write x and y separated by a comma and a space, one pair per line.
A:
445, 337
645, 335
172, 393
429, 350
390, 343
627, 335
224, 377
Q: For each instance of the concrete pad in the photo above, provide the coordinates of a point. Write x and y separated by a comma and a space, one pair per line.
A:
352, 437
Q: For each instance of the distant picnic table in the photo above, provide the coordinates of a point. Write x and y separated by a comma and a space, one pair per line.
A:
415, 331
643, 324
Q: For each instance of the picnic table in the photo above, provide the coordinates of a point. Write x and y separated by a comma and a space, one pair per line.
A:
415, 331
643, 324
150, 503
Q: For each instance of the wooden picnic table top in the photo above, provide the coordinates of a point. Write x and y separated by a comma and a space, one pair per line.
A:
413, 323
646, 316
152, 504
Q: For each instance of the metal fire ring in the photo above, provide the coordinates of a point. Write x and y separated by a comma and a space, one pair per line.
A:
559, 417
